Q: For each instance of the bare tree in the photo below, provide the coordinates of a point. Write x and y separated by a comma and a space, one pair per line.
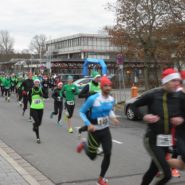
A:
6, 42
38, 45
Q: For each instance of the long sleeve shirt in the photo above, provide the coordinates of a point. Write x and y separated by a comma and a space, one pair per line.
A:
100, 107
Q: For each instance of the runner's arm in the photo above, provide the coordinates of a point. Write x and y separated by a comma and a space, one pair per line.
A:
85, 107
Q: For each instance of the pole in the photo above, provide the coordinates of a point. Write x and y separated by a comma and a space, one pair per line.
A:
31, 62
50, 61
122, 80
40, 55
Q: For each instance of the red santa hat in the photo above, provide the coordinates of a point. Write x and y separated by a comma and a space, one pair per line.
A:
60, 83
183, 76
105, 81
170, 74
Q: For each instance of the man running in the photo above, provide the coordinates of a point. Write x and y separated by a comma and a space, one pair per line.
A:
58, 102
45, 86
164, 111
7, 87
101, 110
26, 88
69, 91
91, 88
180, 133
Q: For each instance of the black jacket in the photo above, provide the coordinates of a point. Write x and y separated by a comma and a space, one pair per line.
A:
180, 130
56, 95
85, 92
154, 101
27, 85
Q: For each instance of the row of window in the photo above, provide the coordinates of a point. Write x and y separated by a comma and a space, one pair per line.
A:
81, 41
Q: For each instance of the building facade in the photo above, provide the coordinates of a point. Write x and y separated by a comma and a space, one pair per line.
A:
67, 54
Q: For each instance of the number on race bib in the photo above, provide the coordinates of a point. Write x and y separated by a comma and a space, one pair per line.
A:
59, 98
37, 101
164, 140
103, 121
70, 102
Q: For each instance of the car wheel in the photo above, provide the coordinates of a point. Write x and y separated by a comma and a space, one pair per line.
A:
130, 114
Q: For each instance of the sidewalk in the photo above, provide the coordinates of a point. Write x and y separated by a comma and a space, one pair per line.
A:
14, 170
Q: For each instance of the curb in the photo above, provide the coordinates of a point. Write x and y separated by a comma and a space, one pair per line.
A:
30, 174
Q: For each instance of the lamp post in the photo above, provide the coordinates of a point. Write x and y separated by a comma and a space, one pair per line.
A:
120, 61
40, 54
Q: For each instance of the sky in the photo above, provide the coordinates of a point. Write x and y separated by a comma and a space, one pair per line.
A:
24, 19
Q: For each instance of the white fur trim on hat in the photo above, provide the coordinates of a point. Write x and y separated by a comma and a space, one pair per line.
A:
36, 80
60, 83
170, 77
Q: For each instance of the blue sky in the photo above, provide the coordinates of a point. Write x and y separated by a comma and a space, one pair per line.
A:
54, 18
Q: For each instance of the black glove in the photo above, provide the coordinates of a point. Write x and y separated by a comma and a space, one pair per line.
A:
73, 90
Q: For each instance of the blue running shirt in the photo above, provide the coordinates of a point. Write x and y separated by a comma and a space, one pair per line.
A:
100, 106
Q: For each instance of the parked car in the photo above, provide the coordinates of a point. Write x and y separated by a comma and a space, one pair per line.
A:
130, 114
63, 77
80, 83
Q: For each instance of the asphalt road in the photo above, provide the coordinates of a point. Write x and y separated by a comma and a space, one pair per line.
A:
56, 157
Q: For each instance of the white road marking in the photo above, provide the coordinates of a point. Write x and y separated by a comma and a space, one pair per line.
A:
115, 141
118, 142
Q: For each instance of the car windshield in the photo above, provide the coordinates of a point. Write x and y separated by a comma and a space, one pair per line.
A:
83, 81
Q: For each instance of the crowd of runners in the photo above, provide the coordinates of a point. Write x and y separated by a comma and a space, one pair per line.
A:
165, 119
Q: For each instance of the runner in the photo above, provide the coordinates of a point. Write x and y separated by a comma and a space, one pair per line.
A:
26, 88
91, 88
7, 87
101, 106
19, 90
37, 107
2, 78
45, 86
164, 110
13, 82
180, 134
58, 103
69, 91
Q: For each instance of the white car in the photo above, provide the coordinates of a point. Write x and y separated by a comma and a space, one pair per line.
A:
80, 83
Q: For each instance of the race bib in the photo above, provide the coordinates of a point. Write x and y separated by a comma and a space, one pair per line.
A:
37, 101
164, 140
70, 102
103, 121
58, 98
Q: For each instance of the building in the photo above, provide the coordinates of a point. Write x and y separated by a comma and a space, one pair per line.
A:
67, 54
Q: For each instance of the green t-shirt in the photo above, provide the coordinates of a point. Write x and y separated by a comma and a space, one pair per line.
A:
7, 83
70, 90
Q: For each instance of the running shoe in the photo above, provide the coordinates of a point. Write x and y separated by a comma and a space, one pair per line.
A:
51, 115
80, 147
59, 123
8, 99
100, 151
70, 130
20, 103
175, 172
102, 181
38, 141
